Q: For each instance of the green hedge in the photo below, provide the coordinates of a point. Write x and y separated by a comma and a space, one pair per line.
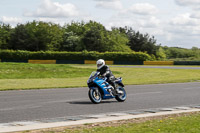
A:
186, 62
49, 55
14, 55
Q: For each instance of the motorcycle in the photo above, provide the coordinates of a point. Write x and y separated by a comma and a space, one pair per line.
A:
100, 90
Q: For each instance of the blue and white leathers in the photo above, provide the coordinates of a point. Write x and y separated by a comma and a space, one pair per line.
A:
99, 89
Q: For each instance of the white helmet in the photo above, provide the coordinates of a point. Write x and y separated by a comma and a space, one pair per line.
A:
100, 63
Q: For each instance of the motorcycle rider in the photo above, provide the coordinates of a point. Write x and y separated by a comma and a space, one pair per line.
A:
106, 72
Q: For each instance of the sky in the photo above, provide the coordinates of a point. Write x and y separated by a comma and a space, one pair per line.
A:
173, 23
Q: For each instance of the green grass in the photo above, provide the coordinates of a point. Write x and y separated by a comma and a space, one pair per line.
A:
187, 124
157, 76
36, 71
37, 76
138, 76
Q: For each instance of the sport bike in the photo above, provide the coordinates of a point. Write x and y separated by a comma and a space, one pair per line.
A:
100, 89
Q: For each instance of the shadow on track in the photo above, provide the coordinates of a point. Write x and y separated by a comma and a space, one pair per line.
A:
88, 102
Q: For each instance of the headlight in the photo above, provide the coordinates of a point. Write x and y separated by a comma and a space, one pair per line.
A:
90, 80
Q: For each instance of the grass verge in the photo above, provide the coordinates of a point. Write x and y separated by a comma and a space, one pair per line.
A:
39, 71
17, 76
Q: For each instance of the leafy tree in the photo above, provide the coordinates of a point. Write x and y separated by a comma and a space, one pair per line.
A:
117, 41
196, 52
140, 42
175, 52
95, 37
36, 36
5, 31
55, 35
160, 54
19, 38
77, 28
71, 42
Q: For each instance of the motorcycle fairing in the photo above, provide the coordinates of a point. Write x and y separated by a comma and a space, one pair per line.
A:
104, 86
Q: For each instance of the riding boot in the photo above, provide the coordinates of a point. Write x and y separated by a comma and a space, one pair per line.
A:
114, 89
117, 91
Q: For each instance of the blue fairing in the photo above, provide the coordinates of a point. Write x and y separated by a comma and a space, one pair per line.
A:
104, 86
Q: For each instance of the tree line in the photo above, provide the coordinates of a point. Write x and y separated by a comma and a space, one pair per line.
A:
80, 36
76, 36
177, 53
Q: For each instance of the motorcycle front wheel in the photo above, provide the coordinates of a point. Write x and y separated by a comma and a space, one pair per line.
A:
95, 95
121, 97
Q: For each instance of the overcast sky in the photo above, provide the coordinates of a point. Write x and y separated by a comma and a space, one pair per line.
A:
173, 22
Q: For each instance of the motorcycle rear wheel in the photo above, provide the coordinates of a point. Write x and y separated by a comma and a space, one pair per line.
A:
121, 97
95, 95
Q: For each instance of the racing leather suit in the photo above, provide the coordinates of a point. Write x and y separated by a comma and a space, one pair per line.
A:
106, 72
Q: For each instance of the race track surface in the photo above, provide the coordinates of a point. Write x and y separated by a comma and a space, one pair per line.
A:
32, 105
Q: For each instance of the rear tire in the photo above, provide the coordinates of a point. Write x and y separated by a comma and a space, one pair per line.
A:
121, 97
95, 95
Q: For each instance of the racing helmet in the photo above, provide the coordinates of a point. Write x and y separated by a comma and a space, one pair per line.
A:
100, 63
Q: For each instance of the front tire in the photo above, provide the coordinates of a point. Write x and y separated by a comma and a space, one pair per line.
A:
121, 97
95, 95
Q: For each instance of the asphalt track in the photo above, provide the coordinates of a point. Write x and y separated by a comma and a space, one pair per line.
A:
33, 105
